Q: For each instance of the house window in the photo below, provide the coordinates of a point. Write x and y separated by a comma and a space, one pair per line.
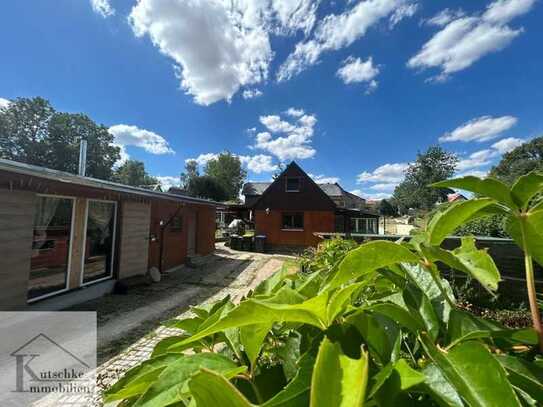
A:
363, 225
52, 236
176, 225
293, 221
293, 184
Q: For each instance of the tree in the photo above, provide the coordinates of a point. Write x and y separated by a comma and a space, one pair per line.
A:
520, 161
431, 166
191, 172
132, 172
207, 187
32, 132
227, 170
386, 209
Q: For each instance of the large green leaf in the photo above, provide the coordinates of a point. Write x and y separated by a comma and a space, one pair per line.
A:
465, 326
250, 312
340, 299
252, 337
523, 374
487, 187
417, 300
423, 279
338, 380
389, 382
136, 380
296, 392
379, 332
172, 384
474, 372
478, 263
369, 257
405, 318
439, 388
446, 222
531, 242
212, 389
526, 187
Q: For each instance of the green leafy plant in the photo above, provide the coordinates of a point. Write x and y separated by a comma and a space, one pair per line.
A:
374, 324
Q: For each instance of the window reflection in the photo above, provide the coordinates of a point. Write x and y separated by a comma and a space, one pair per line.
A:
50, 246
99, 242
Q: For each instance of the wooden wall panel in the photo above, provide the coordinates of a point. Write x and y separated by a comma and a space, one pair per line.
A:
16, 225
314, 221
78, 235
134, 239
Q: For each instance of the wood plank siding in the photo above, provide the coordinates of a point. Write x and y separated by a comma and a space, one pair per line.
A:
16, 225
134, 239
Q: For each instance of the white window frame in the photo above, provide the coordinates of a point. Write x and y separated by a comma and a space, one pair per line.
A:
84, 249
69, 263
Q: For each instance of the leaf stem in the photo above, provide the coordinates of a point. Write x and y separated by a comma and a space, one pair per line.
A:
530, 284
534, 308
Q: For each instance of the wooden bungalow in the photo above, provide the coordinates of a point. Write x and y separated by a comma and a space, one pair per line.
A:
66, 238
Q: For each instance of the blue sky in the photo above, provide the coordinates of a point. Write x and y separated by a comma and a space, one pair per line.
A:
351, 90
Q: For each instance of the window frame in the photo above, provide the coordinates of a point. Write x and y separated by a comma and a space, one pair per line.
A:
291, 229
299, 179
84, 247
69, 261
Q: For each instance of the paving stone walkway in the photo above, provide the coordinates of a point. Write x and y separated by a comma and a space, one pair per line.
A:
240, 273
225, 272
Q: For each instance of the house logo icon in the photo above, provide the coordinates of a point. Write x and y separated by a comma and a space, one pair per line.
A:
44, 366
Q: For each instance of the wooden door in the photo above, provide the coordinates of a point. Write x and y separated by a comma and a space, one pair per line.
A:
191, 234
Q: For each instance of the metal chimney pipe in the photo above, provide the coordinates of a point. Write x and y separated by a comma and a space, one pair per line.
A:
82, 157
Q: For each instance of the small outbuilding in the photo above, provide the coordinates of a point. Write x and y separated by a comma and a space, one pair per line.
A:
66, 238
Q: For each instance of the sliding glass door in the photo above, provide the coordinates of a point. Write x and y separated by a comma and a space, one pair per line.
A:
50, 261
99, 241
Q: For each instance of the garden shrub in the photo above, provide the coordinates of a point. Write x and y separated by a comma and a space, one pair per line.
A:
374, 324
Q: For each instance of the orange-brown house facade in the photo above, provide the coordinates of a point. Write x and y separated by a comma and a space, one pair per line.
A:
293, 209
66, 238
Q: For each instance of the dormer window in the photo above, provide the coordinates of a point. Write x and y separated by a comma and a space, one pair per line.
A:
293, 184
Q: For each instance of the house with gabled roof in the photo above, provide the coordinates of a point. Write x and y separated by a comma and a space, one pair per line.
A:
293, 209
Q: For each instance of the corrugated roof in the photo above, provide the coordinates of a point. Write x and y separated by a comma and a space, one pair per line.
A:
68, 178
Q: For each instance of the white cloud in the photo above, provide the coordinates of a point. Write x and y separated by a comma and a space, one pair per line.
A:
480, 129
251, 93
336, 31
291, 111
126, 135
220, 46
387, 173
465, 40
322, 179
508, 144
294, 138
477, 159
384, 187
203, 159
258, 163
168, 181
445, 16
371, 196
102, 7
404, 11
474, 173
354, 70
4, 103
